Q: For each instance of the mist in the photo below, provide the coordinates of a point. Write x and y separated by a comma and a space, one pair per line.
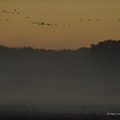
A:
45, 78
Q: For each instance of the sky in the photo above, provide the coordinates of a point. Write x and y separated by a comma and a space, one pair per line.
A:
70, 33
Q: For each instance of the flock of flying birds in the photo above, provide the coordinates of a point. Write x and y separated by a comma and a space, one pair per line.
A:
33, 22
41, 23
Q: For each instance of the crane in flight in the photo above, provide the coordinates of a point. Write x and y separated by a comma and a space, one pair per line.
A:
42, 23
48, 24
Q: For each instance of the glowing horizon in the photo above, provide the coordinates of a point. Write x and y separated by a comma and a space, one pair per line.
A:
69, 33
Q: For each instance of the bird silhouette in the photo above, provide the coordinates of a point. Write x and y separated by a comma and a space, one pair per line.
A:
42, 23
14, 11
48, 24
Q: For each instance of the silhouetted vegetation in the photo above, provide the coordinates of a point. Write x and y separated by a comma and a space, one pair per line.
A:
97, 67
98, 61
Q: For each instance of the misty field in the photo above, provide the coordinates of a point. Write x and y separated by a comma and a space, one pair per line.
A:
19, 112
81, 84
27, 115
58, 116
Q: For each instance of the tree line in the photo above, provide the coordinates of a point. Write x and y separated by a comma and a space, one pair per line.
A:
100, 61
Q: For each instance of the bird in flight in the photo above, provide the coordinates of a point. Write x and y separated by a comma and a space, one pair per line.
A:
7, 19
48, 24
3, 11
42, 23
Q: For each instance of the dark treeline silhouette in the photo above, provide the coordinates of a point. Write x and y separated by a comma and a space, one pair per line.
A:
99, 62
88, 76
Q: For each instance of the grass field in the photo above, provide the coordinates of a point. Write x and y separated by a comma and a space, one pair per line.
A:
28, 115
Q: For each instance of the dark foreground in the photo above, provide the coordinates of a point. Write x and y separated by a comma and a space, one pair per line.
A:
55, 116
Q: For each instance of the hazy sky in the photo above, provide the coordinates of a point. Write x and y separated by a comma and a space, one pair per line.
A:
19, 30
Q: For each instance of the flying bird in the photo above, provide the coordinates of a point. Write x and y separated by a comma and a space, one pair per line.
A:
18, 12
48, 24
27, 17
14, 10
80, 20
89, 19
97, 19
42, 23
55, 24
7, 19
3, 11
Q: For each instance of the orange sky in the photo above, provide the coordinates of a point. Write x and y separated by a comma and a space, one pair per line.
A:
19, 30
